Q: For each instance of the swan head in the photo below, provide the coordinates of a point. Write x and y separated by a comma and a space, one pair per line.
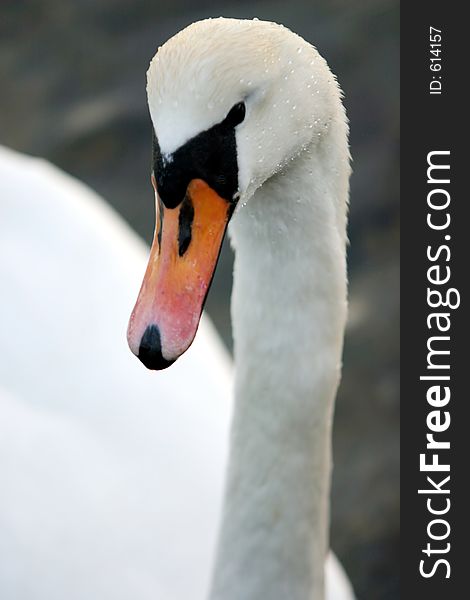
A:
232, 102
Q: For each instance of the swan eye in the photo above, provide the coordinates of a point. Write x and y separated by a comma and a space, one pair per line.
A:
236, 114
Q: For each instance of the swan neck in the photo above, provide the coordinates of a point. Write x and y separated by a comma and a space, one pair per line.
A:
288, 313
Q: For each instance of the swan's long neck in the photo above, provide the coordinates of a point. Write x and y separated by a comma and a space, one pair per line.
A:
288, 311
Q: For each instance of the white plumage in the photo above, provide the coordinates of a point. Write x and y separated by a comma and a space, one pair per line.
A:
110, 474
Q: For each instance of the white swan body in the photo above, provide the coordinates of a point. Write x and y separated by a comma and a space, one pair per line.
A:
110, 476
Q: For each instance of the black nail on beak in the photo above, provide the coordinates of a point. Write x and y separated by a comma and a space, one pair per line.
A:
150, 350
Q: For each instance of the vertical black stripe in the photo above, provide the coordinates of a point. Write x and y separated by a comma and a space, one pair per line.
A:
185, 223
160, 224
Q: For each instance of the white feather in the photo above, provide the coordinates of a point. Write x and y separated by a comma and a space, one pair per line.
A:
110, 475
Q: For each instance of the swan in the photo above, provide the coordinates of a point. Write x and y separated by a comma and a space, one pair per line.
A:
112, 476
249, 128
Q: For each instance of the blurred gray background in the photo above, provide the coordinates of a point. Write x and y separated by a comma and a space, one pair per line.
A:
73, 91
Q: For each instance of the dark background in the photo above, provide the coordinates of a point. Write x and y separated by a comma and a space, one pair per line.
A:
73, 91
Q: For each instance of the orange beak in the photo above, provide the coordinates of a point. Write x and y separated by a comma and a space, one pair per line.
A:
183, 257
